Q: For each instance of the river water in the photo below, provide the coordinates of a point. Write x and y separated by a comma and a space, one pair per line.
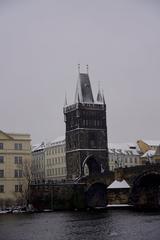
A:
110, 225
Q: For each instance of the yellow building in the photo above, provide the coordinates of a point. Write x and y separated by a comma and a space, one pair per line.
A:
156, 157
15, 160
145, 145
150, 151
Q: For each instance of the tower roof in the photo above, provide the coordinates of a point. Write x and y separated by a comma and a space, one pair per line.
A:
83, 89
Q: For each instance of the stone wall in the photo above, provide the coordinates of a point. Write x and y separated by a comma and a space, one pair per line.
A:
58, 196
118, 196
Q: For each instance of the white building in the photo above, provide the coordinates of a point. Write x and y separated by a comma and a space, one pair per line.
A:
55, 161
123, 155
38, 162
48, 161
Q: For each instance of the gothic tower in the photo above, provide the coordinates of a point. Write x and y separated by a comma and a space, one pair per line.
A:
86, 131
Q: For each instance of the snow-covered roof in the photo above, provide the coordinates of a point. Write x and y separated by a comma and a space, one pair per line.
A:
38, 147
149, 153
123, 148
152, 142
58, 141
118, 184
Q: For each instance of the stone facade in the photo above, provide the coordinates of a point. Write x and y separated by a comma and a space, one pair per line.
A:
66, 196
118, 196
15, 160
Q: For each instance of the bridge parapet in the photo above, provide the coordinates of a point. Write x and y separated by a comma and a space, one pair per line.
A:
131, 173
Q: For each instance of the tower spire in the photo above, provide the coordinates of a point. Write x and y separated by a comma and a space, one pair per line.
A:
79, 68
65, 100
78, 98
99, 94
87, 68
103, 99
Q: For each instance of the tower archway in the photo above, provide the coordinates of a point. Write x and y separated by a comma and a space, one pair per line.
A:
91, 166
96, 196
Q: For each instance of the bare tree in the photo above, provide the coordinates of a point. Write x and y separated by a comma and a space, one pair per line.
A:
27, 175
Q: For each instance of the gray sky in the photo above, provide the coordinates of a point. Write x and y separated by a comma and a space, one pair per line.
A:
41, 43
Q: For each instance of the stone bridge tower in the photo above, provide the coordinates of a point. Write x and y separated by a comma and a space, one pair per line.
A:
86, 132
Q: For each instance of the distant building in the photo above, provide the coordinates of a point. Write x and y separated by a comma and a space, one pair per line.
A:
123, 155
150, 151
156, 157
55, 161
145, 145
38, 163
15, 160
48, 161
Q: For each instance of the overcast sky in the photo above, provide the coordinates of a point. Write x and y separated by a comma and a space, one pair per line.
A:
41, 43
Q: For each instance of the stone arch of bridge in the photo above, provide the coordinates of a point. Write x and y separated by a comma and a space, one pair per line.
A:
145, 191
96, 195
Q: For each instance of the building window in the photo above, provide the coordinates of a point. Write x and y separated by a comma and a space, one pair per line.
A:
1, 188
1, 145
1, 173
18, 160
17, 173
18, 146
1, 159
18, 188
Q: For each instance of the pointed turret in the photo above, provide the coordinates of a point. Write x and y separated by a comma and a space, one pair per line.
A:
99, 96
78, 99
103, 98
65, 100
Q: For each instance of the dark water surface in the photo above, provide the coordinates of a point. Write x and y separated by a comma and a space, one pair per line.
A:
113, 224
